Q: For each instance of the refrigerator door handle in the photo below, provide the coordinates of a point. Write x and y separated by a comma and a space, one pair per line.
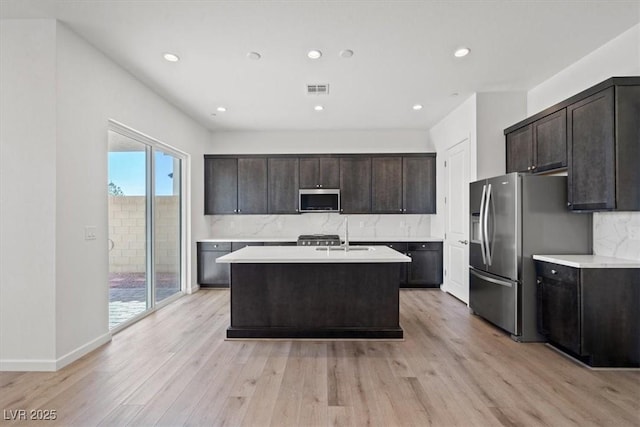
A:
484, 194
485, 233
491, 279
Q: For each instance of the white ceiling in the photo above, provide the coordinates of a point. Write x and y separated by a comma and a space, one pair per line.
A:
403, 53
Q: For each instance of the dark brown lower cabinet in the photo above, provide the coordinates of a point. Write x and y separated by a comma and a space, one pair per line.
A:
210, 273
425, 268
591, 313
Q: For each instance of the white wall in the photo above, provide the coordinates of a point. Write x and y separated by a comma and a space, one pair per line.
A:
27, 191
482, 118
321, 141
457, 126
615, 234
88, 89
496, 111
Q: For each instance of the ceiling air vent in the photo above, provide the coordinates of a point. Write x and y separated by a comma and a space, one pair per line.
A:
318, 89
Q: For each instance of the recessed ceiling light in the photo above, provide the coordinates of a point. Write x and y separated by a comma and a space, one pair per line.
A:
314, 54
463, 51
417, 107
455, 94
221, 109
254, 55
347, 53
171, 57
318, 108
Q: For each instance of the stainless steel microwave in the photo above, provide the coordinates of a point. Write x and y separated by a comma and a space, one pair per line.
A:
324, 200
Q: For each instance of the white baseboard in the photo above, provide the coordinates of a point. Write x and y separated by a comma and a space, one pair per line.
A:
76, 354
51, 365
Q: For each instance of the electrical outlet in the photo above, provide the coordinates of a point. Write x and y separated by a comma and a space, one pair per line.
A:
90, 232
634, 232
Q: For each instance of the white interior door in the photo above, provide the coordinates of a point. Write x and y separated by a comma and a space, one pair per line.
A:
456, 242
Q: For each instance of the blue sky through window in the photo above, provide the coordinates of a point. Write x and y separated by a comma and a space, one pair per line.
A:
127, 171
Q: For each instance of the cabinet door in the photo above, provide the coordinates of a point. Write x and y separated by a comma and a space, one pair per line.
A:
252, 185
386, 184
559, 312
591, 153
550, 141
520, 150
329, 172
355, 184
220, 186
419, 185
425, 269
283, 185
309, 172
210, 273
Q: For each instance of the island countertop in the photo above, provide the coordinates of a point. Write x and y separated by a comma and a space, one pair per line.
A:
304, 254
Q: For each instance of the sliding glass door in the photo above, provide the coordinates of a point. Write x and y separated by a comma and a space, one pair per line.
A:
167, 220
145, 225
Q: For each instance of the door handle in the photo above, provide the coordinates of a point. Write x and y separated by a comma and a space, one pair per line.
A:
486, 225
482, 213
464, 242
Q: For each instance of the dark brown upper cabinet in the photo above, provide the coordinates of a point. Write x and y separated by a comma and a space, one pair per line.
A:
419, 184
220, 186
252, 185
603, 132
355, 184
386, 185
595, 134
550, 142
235, 185
539, 146
283, 185
520, 150
319, 172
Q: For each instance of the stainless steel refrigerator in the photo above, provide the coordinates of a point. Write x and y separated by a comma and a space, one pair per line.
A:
513, 217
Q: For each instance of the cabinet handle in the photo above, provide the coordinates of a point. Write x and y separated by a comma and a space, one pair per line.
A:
533, 167
320, 185
235, 211
554, 272
539, 282
529, 168
464, 242
568, 203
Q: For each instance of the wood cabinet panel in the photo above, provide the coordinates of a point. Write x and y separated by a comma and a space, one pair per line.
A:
550, 142
591, 138
210, 273
425, 269
319, 172
355, 184
220, 186
419, 185
252, 185
283, 185
386, 185
520, 150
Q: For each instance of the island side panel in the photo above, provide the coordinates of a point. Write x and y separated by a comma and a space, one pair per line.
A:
315, 300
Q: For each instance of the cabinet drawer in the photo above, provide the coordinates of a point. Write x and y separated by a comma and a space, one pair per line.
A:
425, 246
557, 272
214, 246
239, 245
398, 246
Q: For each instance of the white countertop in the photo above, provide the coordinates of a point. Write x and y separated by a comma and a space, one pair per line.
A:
352, 239
589, 261
303, 254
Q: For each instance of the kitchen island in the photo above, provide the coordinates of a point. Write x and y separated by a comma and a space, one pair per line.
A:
315, 293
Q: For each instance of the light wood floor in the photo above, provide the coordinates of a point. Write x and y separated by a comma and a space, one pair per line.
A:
175, 368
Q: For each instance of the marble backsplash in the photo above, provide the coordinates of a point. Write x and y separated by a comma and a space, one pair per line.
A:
222, 226
617, 234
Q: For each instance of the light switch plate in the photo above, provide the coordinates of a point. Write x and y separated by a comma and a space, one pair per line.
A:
90, 232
